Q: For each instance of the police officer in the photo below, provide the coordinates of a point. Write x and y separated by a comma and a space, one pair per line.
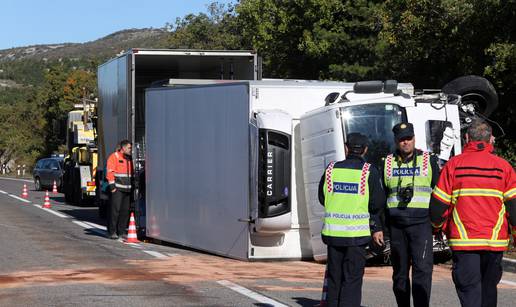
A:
409, 176
353, 199
475, 201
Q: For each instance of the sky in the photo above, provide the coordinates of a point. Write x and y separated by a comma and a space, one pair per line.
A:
33, 22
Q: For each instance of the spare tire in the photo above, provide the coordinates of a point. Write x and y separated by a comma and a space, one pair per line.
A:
476, 90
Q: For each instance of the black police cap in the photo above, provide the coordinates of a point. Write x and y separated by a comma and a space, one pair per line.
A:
403, 130
356, 140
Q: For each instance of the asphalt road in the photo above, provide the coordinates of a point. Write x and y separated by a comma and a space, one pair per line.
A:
60, 257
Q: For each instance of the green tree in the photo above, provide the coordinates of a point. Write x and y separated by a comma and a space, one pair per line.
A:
216, 30
62, 89
312, 39
431, 42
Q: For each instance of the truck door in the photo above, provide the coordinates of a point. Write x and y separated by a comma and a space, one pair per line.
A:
432, 122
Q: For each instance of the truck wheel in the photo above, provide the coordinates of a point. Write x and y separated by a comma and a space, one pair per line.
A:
37, 184
476, 90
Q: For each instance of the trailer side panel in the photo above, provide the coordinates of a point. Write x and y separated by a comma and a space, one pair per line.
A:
197, 169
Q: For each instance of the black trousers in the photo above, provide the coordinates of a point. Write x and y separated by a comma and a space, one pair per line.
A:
119, 212
412, 245
476, 275
345, 267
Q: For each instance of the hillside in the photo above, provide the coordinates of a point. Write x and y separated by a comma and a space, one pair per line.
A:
105, 47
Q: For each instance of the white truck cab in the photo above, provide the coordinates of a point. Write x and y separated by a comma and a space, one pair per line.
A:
373, 108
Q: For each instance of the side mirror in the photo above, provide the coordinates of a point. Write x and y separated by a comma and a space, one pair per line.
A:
331, 98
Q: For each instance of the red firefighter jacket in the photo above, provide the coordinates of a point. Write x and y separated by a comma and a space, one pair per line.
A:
468, 200
119, 171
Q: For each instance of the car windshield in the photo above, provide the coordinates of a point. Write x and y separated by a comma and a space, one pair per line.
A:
375, 121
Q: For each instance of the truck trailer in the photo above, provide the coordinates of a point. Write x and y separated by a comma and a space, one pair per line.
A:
223, 166
121, 86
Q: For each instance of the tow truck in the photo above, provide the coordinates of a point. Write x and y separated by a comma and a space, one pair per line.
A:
80, 164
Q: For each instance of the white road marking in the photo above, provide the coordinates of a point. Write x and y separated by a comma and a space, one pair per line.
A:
509, 260
510, 283
171, 254
155, 254
53, 212
16, 179
100, 227
89, 225
19, 198
251, 294
83, 225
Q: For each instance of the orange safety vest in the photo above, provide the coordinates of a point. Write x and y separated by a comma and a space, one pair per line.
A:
119, 171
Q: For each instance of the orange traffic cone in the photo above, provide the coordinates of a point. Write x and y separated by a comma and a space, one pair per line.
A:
24, 192
324, 299
131, 234
47, 204
54, 188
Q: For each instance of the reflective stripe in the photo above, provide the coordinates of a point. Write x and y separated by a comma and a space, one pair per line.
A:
122, 186
496, 229
456, 219
333, 227
477, 192
329, 173
345, 216
442, 195
415, 199
509, 194
426, 158
478, 242
363, 178
122, 175
388, 166
416, 189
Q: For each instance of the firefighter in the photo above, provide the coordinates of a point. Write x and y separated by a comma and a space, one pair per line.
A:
353, 199
409, 176
119, 175
468, 204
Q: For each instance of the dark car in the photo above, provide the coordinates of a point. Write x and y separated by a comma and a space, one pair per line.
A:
46, 172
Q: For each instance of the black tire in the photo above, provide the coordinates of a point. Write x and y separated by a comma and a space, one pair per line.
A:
37, 184
476, 90
77, 198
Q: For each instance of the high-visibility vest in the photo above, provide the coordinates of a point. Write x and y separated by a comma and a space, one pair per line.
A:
346, 202
398, 176
119, 171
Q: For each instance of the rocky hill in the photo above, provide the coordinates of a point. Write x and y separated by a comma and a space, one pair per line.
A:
105, 47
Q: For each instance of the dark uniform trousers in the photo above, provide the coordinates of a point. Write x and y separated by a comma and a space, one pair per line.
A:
119, 213
412, 244
345, 267
476, 275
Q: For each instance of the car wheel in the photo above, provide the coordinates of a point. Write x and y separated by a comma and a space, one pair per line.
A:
475, 90
37, 184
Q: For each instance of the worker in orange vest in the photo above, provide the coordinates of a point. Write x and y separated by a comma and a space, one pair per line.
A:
119, 175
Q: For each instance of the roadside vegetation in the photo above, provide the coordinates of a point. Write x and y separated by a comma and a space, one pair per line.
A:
427, 43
